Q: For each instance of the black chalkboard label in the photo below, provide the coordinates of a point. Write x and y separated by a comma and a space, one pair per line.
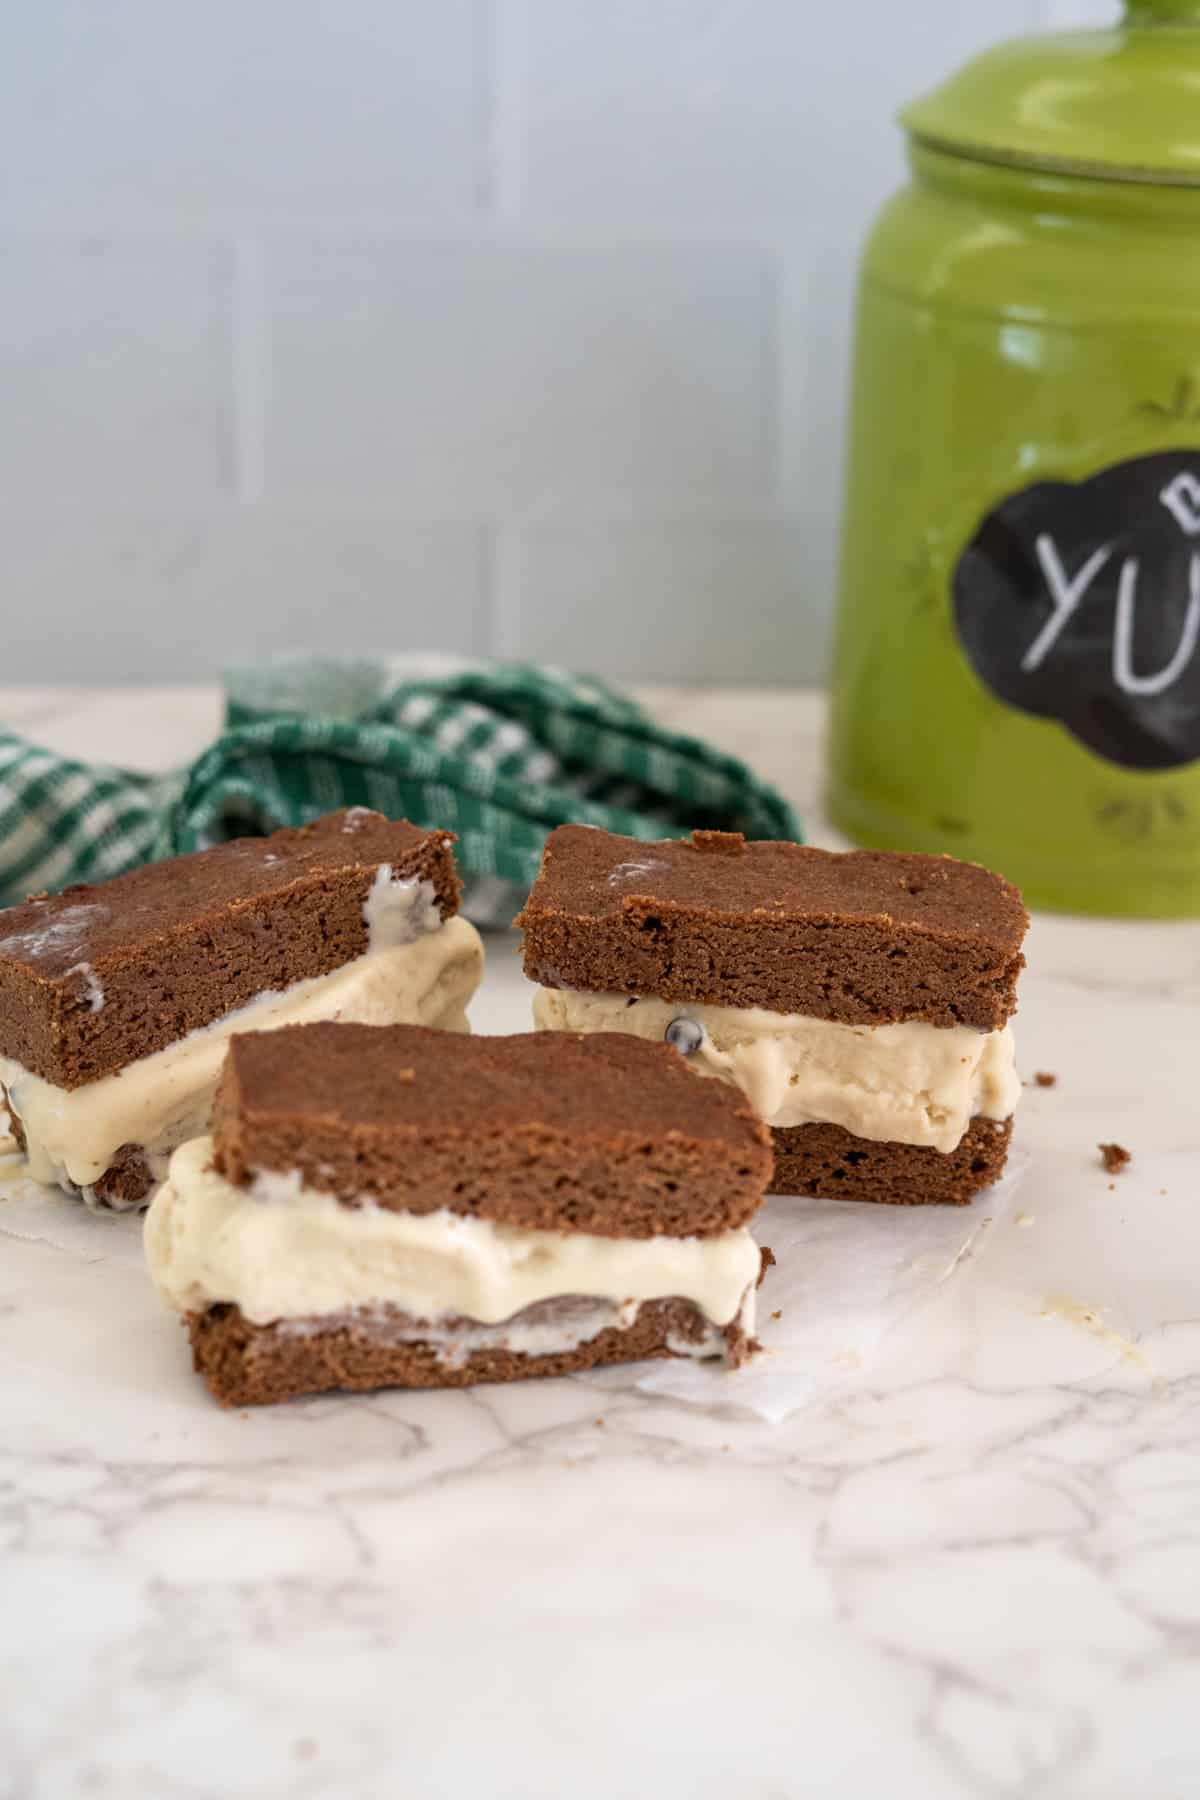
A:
1081, 603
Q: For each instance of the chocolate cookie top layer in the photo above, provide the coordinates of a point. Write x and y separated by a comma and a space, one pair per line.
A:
98, 976
862, 936
561, 1131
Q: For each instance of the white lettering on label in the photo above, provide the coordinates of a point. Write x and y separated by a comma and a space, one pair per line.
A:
1122, 665
1065, 591
1181, 498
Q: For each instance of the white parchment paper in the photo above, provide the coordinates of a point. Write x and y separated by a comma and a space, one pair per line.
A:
845, 1275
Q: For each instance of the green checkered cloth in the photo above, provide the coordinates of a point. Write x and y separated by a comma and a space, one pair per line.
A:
498, 753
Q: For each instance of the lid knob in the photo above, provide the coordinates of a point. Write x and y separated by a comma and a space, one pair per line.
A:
1162, 12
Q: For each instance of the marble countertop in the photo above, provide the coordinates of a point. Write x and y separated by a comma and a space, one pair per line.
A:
973, 1571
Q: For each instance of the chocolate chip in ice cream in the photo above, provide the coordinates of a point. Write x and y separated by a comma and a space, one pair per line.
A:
685, 1036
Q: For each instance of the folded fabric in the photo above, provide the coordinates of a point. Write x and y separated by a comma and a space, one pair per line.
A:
499, 753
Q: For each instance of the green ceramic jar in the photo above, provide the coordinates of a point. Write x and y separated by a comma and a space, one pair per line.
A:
1017, 662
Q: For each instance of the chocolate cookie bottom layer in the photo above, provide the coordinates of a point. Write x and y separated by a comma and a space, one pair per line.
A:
832, 1164
125, 1186
252, 1365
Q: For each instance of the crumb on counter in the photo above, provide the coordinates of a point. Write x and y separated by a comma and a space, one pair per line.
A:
777, 1315
1114, 1157
1078, 1312
1043, 1078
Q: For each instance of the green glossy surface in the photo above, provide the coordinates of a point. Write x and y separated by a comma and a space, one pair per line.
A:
1013, 326
1163, 12
1125, 101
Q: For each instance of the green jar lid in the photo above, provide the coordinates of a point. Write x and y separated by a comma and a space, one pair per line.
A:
1124, 104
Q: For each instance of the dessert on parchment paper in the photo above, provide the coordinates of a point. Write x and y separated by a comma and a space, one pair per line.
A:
117, 1001
861, 1000
392, 1206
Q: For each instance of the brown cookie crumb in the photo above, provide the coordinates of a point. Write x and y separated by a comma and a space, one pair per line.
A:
1043, 1078
1115, 1157
720, 843
777, 1315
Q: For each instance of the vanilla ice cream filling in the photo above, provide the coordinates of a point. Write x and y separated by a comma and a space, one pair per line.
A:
910, 1083
416, 970
279, 1251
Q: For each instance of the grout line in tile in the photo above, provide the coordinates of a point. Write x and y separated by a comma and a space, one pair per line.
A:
506, 39
794, 444
506, 580
249, 368
771, 376
483, 101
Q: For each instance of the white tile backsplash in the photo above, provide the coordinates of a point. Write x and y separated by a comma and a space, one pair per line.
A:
172, 597
177, 114
714, 111
723, 600
115, 372
508, 325
517, 377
